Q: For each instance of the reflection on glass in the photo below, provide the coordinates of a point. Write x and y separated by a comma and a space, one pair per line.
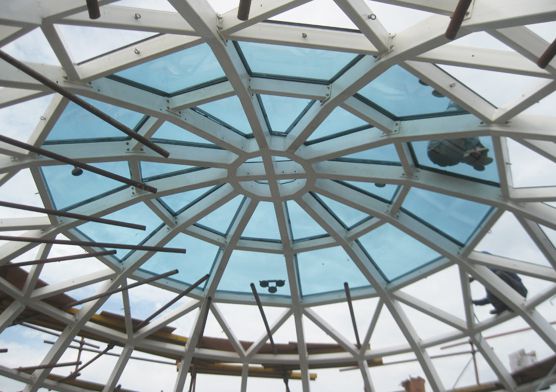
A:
450, 152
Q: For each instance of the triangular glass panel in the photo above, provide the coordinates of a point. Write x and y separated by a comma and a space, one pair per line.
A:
458, 218
157, 5
177, 71
397, 18
318, 335
346, 215
321, 13
11, 191
383, 191
427, 327
160, 376
302, 225
471, 157
282, 112
338, 121
394, 252
172, 132
544, 30
402, 94
19, 121
84, 43
144, 300
245, 268
387, 333
236, 314
155, 169
229, 112
339, 314
86, 186
381, 154
32, 47
220, 219
325, 270
288, 61
107, 233
76, 123
263, 223
192, 266
530, 169
179, 201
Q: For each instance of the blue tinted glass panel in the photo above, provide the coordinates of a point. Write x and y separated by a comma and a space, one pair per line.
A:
347, 215
282, 111
339, 120
395, 252
295, 62
221, 218
151, 169
77, 123
263, 223
302, 224
169, 131
401, 93
229, 111
67, 189
177, 71
251, 267
107, 233
191, 266
179, 200
326, 270
385, 153
456, 217
385, 192
490, 172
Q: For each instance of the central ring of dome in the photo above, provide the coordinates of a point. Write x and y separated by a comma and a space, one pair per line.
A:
278, 176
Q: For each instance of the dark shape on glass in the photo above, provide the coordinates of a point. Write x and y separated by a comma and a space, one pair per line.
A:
272, 284
451, 152
76, 171
437, 94
512, 280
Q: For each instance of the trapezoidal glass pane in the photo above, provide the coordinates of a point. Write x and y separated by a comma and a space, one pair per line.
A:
172, 132
245, 268
302, 225
471, 157
177, 71
220, 219
456, 217
107, 233
346, 215
179, 201
385, 153
191, 266
76, 123
228, 111
326, 270
338, 121
383, 191
67, 189
153, 169
394, 252
282, 113
263, 223
294, 62
403, 94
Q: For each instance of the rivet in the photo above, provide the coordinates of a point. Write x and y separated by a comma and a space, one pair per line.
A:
304, 35
137, 16
136, 51
371, 16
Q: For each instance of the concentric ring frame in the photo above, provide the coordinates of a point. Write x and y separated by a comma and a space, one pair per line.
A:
285, 168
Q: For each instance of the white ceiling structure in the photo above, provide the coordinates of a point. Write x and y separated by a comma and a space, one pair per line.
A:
303, 172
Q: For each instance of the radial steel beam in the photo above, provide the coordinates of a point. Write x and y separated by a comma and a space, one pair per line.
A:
352, 314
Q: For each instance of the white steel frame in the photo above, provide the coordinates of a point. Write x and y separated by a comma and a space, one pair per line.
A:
417, 49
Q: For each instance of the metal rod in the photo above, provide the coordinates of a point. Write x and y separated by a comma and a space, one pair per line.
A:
79, 351
476, 368
457, 19
85, 105
47, 366
43, 330
73, 162
93, 8
75, 373
72, 215
352, 314
3, 350
113, 291
173, 301
547, 56
193, 381
243, 9
261, 310
91, 243
61, 258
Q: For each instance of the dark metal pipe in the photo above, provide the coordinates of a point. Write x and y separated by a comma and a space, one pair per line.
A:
113, 291
85, 105
3, 350
173, 301
75, 373
547, 56
47, 366
265, 321
352, 314
91, 243
58, 259
70, 161
93, 8
243, 9
457, 19
72, 215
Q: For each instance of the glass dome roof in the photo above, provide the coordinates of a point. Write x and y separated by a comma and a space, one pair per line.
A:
331, 158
